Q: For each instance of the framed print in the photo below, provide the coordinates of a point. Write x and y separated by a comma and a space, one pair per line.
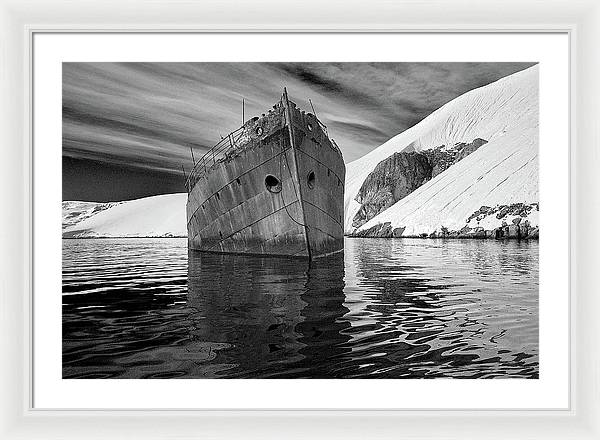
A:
306, 252
273, 228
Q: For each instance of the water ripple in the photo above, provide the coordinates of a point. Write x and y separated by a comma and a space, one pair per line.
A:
148, 308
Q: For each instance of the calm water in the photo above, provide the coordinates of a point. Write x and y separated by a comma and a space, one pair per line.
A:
394, 308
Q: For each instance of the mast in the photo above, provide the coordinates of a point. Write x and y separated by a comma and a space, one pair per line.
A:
288, 117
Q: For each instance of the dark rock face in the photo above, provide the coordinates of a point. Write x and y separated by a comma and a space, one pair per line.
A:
392, 179
519, 228
465, 149
501, 211
442, 158
520, 231
397, 232
379, 230
400, 174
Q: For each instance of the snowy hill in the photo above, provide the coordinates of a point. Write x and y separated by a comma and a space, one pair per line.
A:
75, 212
495, 183
156, 216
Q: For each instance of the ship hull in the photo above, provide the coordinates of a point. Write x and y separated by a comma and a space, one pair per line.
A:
280, 195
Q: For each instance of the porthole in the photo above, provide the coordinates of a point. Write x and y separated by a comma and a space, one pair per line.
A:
309, 126
310, 179
272, 184
259, 131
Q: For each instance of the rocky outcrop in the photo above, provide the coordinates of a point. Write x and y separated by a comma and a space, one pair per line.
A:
522, 231
517, 229
401, 173
442, 158
502, 211
484, 223
380, 230
392, 179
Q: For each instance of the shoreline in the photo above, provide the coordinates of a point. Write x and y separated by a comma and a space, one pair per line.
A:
120, 238
345, 235
518, 229
462, 237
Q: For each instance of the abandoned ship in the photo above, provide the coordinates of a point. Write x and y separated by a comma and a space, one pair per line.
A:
274, 186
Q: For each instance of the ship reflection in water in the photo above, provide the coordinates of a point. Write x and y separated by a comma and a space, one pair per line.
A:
271, 316
386, 308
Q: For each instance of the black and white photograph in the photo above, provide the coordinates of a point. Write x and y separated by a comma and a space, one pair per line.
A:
300, 220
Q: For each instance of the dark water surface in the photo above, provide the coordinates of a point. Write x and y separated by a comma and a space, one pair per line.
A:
393, 308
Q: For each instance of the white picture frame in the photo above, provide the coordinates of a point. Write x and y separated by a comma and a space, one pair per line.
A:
581, 20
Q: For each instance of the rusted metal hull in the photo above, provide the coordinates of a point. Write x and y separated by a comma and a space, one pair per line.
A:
279, 192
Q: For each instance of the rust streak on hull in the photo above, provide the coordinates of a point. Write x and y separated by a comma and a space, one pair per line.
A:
276, 189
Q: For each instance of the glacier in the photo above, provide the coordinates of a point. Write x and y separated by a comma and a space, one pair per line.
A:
502, 172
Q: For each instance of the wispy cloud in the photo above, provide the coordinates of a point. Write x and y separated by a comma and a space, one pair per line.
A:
149, 115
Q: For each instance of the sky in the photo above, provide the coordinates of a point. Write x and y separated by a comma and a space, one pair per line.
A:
129, 127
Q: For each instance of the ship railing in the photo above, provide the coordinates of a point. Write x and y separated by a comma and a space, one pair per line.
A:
336, 146
323, 126
324, 129
212, 156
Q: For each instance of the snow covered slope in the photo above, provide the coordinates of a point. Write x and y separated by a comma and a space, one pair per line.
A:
504, 171
75, 212
156, 216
